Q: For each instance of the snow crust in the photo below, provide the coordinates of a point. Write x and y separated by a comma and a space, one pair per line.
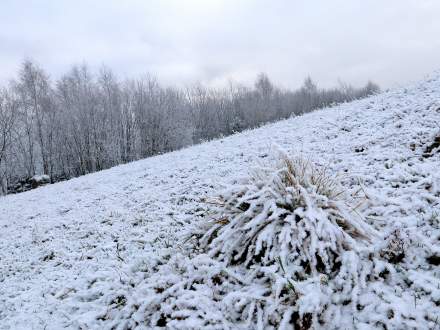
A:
107, 250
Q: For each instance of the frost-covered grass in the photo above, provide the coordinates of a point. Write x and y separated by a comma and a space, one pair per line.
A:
111, 250
290, 233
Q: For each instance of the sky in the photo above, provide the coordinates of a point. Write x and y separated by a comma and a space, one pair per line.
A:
182, 42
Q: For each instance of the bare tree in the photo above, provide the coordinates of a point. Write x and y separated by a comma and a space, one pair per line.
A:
85, 122
8, 116
38, 112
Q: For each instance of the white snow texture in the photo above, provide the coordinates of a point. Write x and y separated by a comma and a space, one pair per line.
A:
113, 250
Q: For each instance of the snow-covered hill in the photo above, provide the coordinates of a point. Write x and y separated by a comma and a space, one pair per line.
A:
81, 254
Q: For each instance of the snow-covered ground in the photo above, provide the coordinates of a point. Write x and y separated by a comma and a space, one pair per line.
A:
78, 254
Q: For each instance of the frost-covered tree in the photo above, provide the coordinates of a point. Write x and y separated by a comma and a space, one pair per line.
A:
8, 117
38, 113
85, 122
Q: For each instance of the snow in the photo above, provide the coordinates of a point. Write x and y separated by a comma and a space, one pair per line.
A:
42, 178
90, 253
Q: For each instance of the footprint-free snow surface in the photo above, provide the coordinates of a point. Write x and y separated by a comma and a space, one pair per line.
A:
81, 254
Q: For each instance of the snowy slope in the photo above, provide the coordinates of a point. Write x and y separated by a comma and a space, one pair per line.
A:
73, 254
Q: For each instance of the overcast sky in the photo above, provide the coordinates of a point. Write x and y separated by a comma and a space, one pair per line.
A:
183, 41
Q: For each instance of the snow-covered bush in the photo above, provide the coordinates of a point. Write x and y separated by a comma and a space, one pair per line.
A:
292, 213
295, 219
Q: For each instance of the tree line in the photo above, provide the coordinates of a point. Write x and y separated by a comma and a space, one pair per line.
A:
85, 122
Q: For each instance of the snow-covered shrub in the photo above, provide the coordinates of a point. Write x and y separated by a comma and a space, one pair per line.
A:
292, 227
293, 214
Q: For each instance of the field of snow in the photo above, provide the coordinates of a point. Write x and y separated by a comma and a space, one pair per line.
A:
83, 254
